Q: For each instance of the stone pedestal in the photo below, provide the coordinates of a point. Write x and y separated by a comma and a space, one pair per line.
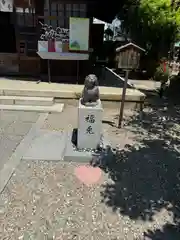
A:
89, 125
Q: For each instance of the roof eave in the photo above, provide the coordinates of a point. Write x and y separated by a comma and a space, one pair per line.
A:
129, 44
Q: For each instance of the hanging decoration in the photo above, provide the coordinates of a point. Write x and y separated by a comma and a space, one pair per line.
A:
47, 32
53, 40
6, 5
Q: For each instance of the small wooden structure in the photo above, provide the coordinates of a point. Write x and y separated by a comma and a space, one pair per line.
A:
128, 56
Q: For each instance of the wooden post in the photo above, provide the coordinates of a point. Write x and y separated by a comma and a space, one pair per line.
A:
48, 61
17, 36
49, 70
123, 100
77, 71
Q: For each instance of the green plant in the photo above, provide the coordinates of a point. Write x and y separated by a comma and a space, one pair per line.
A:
152, 24
161, 75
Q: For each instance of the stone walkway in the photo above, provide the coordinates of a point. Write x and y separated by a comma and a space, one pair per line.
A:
13, 128
145, 84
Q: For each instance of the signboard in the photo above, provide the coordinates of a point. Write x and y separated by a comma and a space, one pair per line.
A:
128, 59
89, 126
79, 34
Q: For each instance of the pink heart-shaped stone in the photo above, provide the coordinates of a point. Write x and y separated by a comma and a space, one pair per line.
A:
88, 175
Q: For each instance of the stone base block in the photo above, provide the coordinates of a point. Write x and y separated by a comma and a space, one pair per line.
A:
71, 152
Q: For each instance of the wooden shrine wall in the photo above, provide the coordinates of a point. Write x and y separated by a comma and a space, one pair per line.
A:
25, 25
60, 11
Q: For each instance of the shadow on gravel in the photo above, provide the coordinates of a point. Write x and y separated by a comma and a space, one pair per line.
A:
146, 176
169, 232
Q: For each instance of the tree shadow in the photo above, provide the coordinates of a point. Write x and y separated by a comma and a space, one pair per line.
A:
111, 123
145, 177
169, 232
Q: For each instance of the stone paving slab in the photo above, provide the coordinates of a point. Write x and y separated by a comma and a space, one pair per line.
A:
50, 145
13, 161
66, 121
21, 100
57, 107
47, 145
7, 147
19, 128
13, 128
11, 116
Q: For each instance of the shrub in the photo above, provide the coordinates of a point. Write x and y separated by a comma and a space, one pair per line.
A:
161, 75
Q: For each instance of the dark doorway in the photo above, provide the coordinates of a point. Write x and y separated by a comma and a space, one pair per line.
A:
7, 39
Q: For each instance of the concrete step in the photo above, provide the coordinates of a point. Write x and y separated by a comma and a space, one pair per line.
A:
26, 101
56, 108
66, 91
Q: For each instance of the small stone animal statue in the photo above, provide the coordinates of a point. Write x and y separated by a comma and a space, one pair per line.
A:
90, 93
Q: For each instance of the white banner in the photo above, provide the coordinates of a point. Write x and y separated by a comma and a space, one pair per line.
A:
25, 10
79, 34
6, 5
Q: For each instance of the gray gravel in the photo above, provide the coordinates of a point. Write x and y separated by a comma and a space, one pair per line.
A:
45, 199
135, 198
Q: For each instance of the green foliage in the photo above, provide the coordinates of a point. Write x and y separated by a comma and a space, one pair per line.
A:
160, 75
153, 24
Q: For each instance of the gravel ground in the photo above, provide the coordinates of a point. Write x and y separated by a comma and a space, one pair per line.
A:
137, 196
13, 127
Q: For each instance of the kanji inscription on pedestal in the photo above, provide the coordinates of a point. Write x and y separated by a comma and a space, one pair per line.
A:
89, 125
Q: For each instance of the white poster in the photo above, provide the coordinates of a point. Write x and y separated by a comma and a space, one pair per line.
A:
6, 5
42, 46
79, 34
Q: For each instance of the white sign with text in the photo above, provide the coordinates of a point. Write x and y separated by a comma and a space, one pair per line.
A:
89, 126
